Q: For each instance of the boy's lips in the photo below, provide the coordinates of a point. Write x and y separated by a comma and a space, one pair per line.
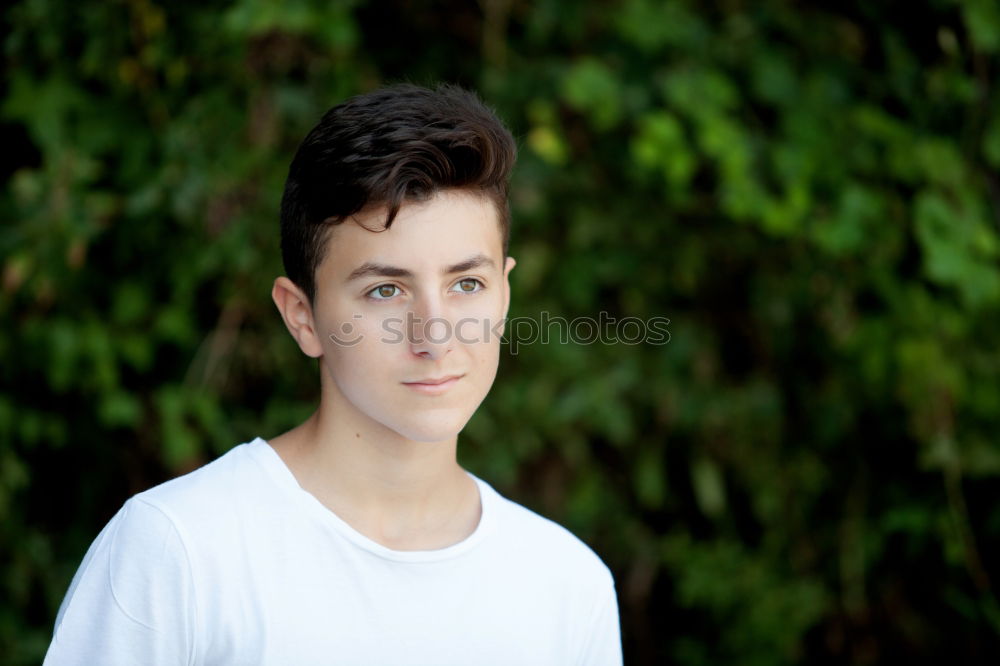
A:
434, 385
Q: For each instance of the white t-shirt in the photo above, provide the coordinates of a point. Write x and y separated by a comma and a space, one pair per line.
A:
235, 563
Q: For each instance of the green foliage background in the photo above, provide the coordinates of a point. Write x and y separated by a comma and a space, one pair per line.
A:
806, 473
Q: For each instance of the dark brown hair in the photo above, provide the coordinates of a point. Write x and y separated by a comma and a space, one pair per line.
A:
396, 144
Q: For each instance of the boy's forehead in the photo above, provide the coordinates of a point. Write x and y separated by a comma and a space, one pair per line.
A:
441, 232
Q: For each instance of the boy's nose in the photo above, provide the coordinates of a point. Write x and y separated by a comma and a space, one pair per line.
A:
431, 333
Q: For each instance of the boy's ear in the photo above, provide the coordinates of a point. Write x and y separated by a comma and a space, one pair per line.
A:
295, 309
507, 268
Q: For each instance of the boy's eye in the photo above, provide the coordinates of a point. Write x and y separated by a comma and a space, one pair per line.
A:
468, 285
383, 291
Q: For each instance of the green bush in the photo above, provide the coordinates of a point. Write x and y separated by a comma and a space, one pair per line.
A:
806, 472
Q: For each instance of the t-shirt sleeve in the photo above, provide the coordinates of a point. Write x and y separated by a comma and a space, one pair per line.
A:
132, 599
603, 644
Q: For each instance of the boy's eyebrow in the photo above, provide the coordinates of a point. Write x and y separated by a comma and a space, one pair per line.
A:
375, 269
476, 261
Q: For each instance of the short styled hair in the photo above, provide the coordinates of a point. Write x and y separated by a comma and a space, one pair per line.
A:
384, 148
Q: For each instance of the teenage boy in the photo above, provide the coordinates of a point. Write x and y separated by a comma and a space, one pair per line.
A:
356, 538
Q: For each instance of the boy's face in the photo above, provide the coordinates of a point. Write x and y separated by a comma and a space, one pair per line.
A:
398, 310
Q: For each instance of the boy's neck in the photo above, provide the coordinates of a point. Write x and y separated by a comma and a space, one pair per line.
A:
403, 494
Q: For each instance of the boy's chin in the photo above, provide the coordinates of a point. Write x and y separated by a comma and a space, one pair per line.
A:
442, 430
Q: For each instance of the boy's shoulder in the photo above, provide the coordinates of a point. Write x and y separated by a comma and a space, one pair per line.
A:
222, 471
234, 478
552, 547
